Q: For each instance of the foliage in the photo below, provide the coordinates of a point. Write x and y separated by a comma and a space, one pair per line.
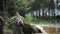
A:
24, 6
11, 23
18, 5
30, 19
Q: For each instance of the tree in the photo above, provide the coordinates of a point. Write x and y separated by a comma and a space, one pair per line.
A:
22, 6
51, 6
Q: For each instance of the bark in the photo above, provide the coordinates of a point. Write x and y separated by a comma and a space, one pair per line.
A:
4, 12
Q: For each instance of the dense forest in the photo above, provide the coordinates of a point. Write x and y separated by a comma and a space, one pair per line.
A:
48, 8
33, 11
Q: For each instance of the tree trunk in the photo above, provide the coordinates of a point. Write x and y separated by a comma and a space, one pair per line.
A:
39, 13
43, 12
4, 12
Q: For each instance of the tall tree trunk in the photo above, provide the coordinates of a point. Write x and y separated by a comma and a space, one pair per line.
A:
43, 12
4, 13
39, 13
49, 12
1, 6
1, 21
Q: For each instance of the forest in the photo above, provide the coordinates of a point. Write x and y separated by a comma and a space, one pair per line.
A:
44, 9
33, 11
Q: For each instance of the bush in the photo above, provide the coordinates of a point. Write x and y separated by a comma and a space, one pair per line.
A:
30, 19
11, 22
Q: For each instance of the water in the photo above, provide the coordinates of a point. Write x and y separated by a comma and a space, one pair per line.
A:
52, 30
49, 29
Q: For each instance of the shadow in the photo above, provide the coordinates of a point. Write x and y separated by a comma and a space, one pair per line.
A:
1, 26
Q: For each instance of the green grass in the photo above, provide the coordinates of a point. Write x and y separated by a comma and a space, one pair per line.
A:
30, 19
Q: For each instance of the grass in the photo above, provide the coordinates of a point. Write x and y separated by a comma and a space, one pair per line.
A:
30, 19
